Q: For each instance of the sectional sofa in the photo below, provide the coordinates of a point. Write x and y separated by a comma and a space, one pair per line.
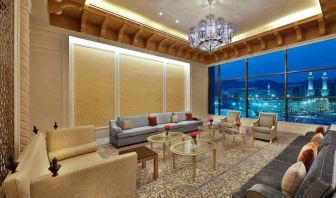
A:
319, 181
141, 129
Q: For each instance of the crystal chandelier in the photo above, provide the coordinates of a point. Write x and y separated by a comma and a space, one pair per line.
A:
211, 34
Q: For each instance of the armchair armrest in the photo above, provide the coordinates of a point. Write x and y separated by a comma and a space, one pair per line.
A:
224, 119
263, 191
114, 128
111, 177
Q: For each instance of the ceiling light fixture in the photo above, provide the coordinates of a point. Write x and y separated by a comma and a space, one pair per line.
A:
160, 13
211, 34
177, 21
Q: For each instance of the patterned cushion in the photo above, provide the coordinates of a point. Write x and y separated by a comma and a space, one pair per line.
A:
320, 179
126, 124
317, 138
174, 119
293, 178
308, 154
266, 121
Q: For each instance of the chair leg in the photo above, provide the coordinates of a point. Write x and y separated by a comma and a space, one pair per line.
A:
270, 141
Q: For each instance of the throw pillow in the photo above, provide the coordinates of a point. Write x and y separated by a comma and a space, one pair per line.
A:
152, 120
308, 154
319, 129
293, 178
317, 138
174, 119
126, 124
189, 116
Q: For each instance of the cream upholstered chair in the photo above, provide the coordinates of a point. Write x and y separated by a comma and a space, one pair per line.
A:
83, 173
228, 121
266, 126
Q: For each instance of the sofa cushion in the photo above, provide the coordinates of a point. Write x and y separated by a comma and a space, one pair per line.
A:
78, 161
73, 151
68, 137
308, 154
181, 116
163, 118
137, 121
266, 121
261, 129
293, 178
126, 124
160, 127
227, 124
291, 152
191, 123
174, 119
136, 131
329, 138
319, 181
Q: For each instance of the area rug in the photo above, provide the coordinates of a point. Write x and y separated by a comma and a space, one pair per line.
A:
234, 168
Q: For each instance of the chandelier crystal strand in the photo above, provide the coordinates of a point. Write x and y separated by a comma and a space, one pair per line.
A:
211, 34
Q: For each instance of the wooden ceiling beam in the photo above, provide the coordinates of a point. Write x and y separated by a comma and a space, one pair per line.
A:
103, 27
236, 51
279, 38
248, 47
321, 24
56, 7
161, 43
149, 40
179, 51
298, 32
262, 43
121, 32
84, 17
136, 36
171, 47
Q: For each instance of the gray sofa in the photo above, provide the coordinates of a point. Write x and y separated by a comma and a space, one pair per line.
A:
319, 181
141, 129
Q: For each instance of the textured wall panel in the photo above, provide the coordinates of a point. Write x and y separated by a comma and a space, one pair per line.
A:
6, 84
94, 86
141, 86
175, 84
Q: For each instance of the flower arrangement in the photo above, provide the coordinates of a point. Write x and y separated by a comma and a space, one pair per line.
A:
167, 127
237, 123
210, 120
194, 135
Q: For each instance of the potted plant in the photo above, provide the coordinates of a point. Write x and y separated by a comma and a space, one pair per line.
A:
194, 135
167, 127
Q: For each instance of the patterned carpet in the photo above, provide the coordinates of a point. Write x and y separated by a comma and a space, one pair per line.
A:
234, 168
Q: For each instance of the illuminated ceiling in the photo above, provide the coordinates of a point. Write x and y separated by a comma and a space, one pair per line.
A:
251, 17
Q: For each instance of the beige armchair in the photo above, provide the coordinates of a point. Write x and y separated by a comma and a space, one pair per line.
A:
83, 173
228, 121
265, 127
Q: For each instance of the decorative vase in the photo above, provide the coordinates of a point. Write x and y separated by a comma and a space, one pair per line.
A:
211, 126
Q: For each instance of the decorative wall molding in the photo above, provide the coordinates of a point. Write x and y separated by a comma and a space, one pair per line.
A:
119, 51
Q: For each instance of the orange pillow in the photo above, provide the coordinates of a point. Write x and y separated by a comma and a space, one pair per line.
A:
317, 138
319, 129
152, 120
308, 154
189, 116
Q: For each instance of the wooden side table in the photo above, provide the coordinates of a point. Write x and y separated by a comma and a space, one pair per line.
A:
145, 154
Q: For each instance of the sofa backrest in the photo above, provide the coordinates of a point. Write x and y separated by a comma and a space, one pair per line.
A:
181, 116
268, 119
33, 163
329, 139
233, 116
137, 120
320, 179
163, 118
70, 142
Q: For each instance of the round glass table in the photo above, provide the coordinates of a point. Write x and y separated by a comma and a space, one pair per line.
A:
211, 129
242, 132
189, 148
165, 140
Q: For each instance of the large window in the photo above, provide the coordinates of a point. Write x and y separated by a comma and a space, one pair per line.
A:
298, 83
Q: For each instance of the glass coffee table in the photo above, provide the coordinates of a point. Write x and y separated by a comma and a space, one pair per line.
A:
211, 129
165, 140
187, 148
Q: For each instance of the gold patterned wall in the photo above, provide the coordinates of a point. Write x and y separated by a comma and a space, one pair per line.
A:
94, 86
175, 84
6, 84
141, 85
